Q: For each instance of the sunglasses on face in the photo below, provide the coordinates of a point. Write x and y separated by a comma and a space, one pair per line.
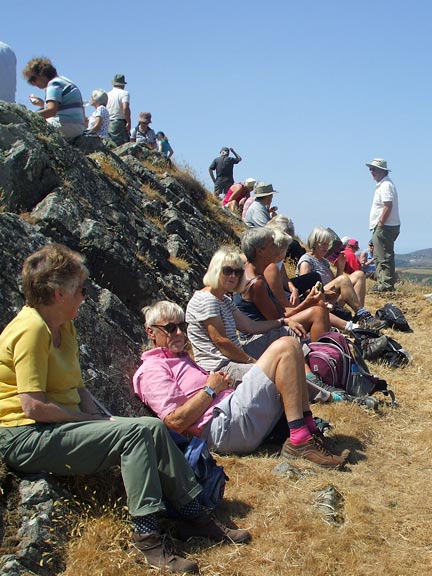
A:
171, 327
229, 271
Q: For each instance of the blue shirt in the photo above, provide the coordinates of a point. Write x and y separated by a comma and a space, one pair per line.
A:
69, 100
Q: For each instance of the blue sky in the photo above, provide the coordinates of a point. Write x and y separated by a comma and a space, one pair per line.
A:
306, 92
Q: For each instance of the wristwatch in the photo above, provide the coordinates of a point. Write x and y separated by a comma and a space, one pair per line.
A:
210, 392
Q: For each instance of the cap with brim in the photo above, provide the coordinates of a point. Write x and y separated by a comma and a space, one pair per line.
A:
264, 189
119, 80
352, 243
379, 163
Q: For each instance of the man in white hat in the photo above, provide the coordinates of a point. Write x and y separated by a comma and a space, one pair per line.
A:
258, 213
119, 110
385, 224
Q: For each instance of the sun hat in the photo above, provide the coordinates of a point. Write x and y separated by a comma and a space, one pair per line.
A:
344, 240
249, 182
145, 117
119, 80
264, 189
353, 243
379, 163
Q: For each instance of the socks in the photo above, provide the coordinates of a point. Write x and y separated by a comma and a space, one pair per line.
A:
299, 431
362, 312
350, 325
193, 508
145, 524
310, 422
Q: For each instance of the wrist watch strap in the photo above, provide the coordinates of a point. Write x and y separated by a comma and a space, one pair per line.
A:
210, 392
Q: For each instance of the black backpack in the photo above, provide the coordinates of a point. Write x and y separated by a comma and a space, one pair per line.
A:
393, 317
386, 350
208, 473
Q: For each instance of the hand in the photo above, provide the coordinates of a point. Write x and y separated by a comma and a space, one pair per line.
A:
219, 381
296, 327
294, 298
314, 297
36, 101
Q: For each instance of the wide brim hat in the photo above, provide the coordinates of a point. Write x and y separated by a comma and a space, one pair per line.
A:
379, 163
249, 182
119, 80
263, 189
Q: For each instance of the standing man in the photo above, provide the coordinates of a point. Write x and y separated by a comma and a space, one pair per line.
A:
385, 224
224, 167
8, 64
119, 111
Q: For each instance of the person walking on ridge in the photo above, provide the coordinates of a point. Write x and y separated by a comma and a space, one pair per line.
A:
223, 165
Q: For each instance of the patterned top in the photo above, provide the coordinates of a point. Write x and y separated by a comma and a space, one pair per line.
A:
69, 100
320, 266
100, 112
202, 306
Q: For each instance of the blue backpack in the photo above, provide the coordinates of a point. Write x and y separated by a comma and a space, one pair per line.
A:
208, 473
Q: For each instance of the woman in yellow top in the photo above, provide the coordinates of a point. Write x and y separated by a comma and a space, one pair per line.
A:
50, 423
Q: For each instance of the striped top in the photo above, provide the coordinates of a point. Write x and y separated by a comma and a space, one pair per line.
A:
202, 306
69, 100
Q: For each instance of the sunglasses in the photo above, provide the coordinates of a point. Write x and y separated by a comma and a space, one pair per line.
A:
373, 169
229, 271
172, 327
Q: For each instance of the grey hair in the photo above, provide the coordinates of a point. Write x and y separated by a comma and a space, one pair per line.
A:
318, 234
225, 256
281, 239
282, 222
99, 96
253, 239
163, 311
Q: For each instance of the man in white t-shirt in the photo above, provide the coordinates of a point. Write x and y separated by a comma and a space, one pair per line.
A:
119, 111
8, 64
385, 224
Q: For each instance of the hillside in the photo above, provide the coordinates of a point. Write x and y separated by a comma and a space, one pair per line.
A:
148, 231
417, 259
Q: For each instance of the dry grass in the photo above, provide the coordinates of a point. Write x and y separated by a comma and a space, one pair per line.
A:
386, 491
179, 263
109, 168
151, 193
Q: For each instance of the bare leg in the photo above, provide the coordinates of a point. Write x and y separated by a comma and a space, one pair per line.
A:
343, 289
314, 320
283, 363
358, 280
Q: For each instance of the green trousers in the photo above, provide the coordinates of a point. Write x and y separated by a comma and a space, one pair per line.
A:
153, 468
383, 239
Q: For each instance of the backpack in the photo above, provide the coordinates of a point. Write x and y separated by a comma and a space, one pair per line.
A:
339, 363
389, 352
208, 473
394, 317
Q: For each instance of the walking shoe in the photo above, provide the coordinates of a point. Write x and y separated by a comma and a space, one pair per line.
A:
372, 348
207, 525
155, 550
368, 322
314, 451
381, 289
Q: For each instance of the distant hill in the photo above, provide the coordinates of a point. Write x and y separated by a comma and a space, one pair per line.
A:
417, 259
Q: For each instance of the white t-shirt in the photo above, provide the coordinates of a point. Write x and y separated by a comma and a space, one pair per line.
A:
116, 98
385, 192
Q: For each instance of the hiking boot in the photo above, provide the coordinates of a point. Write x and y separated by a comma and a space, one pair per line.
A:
314, 451
207, 525
372, 348
368, 322
155, 550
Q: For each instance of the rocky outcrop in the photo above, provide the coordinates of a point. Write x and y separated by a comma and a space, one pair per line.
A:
147, 229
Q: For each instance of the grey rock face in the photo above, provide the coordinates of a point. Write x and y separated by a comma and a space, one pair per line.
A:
147, 231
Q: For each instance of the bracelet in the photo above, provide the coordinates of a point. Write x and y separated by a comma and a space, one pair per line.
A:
282, 321
249, 360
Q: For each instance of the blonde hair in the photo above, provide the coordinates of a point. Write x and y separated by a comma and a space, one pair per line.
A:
318, 234
163, 310
225, 256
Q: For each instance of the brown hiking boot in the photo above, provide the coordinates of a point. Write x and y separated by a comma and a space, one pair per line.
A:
314, 451
207, 525
158, 553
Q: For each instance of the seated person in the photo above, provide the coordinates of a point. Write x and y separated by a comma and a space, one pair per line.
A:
237, 194
259, 212
99, 121
338, 289
50, 423
191, 401
142, 133
295, 250
367, 261
352, 263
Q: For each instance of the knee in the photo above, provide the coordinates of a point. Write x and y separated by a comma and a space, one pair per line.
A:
287, 345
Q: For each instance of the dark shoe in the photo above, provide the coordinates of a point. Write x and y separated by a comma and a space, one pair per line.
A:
372, 348
207, 525
314, 451
158, 553
368, 322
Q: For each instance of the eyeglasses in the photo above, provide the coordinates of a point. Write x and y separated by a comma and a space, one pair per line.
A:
229, 271
373, 169
172, 327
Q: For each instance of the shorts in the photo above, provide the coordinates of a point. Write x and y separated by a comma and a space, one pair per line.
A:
242, 420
